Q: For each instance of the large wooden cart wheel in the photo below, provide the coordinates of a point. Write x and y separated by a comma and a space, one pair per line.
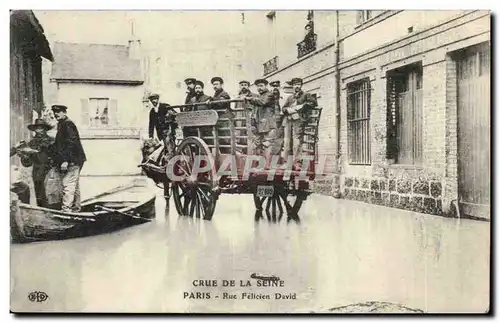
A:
196, 195
282, 200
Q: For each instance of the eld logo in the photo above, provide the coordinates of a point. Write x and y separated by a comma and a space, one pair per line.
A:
38, 296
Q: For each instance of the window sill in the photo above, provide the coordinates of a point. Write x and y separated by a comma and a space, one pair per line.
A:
406, 166
110, 132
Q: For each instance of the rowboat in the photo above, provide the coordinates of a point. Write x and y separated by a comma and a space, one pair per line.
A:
123, 206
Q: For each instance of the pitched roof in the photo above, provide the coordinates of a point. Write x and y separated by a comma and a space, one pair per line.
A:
95, 63
30, 31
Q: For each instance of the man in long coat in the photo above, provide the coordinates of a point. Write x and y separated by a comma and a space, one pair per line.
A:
162, 118
244, 93
280, 125
264, 129
298, 106
69, 157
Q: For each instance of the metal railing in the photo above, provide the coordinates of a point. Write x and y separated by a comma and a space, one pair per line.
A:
308, 45
271, 65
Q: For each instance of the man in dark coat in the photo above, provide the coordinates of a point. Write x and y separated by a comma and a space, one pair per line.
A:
244, 92
199, 97
69, 157
221, 108
280, 126
219, 94
297, 107
162, 118
39, 159
264, 129
190, 83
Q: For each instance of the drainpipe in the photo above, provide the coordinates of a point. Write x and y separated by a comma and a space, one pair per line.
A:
336, 186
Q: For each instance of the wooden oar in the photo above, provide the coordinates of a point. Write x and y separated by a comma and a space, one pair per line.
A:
103, 208
114, 190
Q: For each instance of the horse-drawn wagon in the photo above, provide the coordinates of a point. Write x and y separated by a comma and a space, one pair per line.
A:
217, 157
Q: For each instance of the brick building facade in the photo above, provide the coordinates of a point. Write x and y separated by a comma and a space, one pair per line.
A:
413, 89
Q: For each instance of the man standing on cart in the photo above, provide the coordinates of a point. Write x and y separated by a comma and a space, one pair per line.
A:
219, 94
297, 107
280, 127
264, 122
162, 118
244, 93
222, 108
190, 83
199, 97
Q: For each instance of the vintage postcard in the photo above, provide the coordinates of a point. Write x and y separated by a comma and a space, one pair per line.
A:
265, 161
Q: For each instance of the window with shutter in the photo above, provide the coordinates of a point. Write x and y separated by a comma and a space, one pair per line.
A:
405, 114
100, 112
84, 116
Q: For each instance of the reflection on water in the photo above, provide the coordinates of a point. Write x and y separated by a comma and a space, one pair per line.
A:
351, 253
275, 217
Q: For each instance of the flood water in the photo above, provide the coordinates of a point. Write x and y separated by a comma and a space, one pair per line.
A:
342, 252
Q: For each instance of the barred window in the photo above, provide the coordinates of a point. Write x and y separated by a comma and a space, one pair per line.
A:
358, 122
405, 115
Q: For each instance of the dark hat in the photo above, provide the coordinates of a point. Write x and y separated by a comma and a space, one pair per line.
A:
190, 80
215, 79
59, 107
261, 81
275, 83
200, 83
295, 80
153, 96
39, 123
244, 82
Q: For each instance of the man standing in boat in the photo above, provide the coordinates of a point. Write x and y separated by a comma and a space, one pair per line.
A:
69, 157
39, 158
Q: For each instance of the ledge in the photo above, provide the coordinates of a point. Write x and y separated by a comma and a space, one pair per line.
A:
111, 133
372, 21
382, 49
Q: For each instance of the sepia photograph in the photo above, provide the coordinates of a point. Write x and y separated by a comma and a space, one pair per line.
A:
250, 161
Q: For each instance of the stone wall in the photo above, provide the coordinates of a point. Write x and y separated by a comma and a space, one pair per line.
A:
413, 194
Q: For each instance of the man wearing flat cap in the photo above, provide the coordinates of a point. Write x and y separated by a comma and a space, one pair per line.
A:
69, 157
39, 157
297, 107
280, 127
244, 93
264, 119
199, 97
190, 82
219, 94
162, 118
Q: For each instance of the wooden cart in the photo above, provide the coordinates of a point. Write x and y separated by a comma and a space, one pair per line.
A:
223, 138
